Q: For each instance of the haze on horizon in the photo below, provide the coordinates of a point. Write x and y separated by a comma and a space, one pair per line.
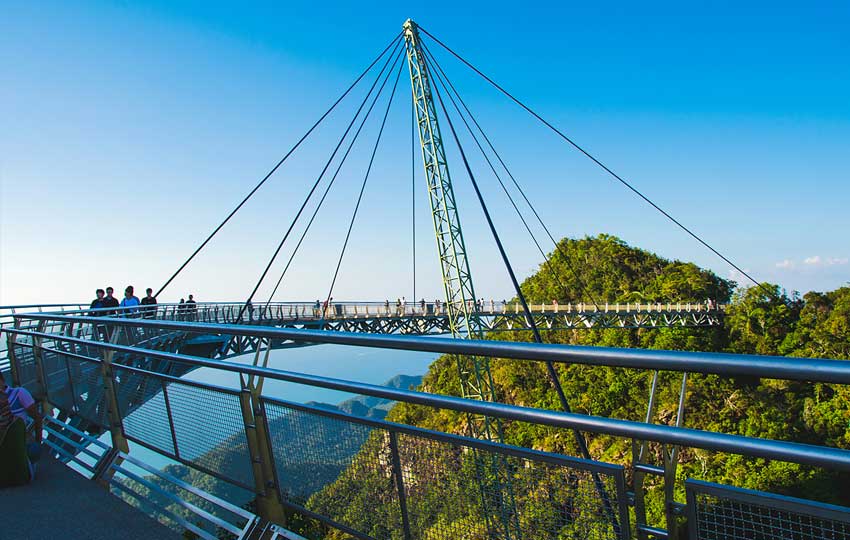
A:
132, 130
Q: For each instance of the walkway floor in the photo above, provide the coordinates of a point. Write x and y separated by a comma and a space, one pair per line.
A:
62, 504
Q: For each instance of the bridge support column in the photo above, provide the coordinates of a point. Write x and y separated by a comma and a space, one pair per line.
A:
269, 504
116, 422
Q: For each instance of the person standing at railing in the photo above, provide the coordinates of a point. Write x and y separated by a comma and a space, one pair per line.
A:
110, 301
17, 457
192, 308
129, 304
97, 304
149, 312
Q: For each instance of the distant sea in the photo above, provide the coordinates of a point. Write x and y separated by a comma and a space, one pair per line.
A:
361, 364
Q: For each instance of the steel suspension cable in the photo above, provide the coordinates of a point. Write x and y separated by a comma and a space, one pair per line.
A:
362, 190
535, 331
595, 160
550, 367
394, 41
453, 90
394, 58
322, 199
443, 80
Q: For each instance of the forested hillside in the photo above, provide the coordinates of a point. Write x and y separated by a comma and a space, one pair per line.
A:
762, 320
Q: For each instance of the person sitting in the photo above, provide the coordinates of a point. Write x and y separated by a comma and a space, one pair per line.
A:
17, 457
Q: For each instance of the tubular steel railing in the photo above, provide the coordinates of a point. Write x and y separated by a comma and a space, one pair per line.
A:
378, 317
311, 460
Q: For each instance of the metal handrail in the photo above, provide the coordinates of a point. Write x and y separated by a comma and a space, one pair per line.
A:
726, 364
735, 444
382, 309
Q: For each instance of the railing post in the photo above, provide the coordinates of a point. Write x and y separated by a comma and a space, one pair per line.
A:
39, 366
269, 504
116, 423
11, 339
170, 417
399, 482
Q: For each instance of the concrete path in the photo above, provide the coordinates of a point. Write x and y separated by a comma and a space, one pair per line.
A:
61, 504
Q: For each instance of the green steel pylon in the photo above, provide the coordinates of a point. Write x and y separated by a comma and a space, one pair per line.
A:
475, 377
463, 318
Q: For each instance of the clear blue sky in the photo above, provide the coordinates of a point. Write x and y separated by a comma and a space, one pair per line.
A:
130, 129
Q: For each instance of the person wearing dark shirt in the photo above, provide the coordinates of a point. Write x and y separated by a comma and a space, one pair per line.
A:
150, 301
97, 304
191, 308
110, 301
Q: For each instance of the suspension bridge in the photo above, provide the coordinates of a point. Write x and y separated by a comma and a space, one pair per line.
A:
117, 376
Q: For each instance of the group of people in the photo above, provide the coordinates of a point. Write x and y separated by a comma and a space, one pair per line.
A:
131, 306
438, 306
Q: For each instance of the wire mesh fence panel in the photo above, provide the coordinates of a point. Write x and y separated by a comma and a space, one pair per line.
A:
60, 391
210, 431
91, 395
338, 469
718, 512
561, 501
456, 491
447, 495
143, 409
27, 368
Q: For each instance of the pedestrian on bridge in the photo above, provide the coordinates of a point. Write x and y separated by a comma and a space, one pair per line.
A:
192, 308
97, 304
110, 301
129, 303
17, 457
150, 301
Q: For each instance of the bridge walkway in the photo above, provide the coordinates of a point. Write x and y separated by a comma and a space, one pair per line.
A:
60, 503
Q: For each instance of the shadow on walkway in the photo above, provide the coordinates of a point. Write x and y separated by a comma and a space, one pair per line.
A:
62, 504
